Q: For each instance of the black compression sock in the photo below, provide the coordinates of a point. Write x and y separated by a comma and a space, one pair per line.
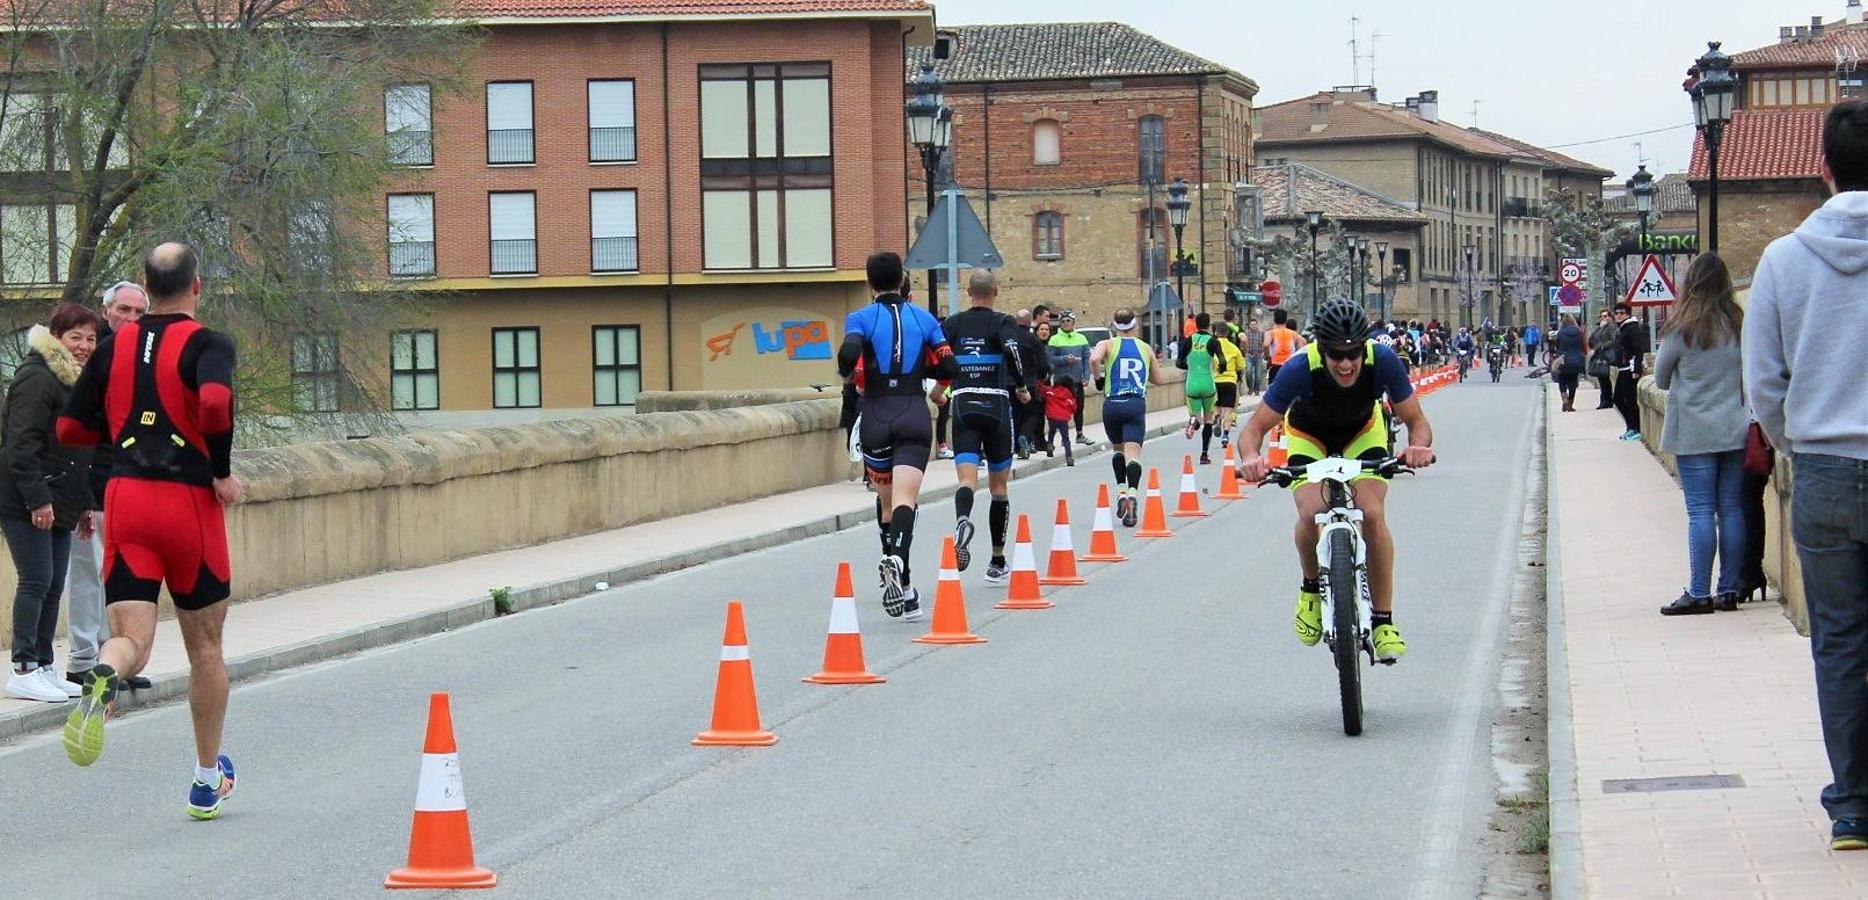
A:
882, 528
963, 502
1206, 438
1135, 476
1001, 517
1311, 586
1120, 465
901, 537
1378, 619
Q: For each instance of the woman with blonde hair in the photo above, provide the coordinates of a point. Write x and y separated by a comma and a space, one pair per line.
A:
1700, 368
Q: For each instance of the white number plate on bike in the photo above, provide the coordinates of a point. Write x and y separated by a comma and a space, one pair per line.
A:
1333, 469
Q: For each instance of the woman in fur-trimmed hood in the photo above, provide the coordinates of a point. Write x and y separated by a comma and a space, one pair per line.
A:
44, 494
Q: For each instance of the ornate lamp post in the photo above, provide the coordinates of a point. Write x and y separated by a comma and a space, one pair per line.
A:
1713, 95
1381, 270
1641, 187
1178, 206
1314, 221
930, 129
1468, 301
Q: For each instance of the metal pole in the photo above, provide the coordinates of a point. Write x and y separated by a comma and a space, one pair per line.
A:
953, 252
1316, 272
1715, 132
930, 163
1148, 268
1180, 268
1382, 262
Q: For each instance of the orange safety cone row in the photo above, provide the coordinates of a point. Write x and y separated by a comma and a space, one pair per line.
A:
1103, 531
1063, 565
1280, 453
1022, 593
440, 842
949, 604
735, 703
1154, 513
843, 646
1228, 478
1189, 505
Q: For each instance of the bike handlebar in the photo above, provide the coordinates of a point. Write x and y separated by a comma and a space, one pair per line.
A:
1391, 466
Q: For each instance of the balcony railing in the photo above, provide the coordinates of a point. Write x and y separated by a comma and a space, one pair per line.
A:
616, 144
613, 254
412, 258
409, 147
515, 257
508, 145
1528, 265
1520, 208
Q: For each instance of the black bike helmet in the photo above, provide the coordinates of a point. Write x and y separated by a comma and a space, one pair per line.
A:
1341, 321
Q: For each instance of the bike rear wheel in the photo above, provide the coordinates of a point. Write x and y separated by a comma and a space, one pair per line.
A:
1345, 590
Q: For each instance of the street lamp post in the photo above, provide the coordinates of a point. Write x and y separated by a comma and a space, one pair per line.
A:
1641, 186
1381, 270
1362, 271
1314, 220
1713, 94
930, 129
1469, 299
1178, 207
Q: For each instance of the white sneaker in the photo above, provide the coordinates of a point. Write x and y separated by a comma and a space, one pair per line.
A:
30, 686
56, 679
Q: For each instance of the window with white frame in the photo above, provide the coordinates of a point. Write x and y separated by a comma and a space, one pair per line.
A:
766, 167
414, 371
515, 368
613, 231
315, 372
509, 123
408, 121
513, 236
612, 120
411, 235
1047, 142
616, 357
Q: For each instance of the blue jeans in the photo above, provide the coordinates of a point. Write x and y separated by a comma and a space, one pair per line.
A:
1829, 521
1715, 517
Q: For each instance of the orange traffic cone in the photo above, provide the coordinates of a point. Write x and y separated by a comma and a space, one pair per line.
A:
440, 843
735, 703
1189, 505
1062, 568
949, 604
1023, 591
1154, 513
843, 647
1229, 478
1103, 531
1280, 454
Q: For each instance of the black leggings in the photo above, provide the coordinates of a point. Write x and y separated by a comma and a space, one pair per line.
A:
1077, 388
940, 422
1626, 400
1060, 431
1608, 392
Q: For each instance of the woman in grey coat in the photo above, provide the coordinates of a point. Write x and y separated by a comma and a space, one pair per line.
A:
1700, 368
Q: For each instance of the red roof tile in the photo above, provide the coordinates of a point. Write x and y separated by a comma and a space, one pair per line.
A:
1819, 53
1348, 118
554, 9
1766, 143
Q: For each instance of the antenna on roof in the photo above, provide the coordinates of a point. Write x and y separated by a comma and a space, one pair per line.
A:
1355, 52
1640, 154
1375, 41
1475, 112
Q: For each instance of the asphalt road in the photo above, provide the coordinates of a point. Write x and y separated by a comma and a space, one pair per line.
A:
1159, 733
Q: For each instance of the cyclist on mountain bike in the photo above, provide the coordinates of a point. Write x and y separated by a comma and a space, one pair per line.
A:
1465, 348
1330, 403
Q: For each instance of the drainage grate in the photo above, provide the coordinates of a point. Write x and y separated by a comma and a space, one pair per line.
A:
1670, 783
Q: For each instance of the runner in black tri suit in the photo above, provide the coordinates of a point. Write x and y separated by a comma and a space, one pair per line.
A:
898, 344
985, 345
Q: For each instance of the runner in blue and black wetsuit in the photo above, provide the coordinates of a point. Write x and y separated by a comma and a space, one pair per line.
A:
991, 376
899, 344
1123, 366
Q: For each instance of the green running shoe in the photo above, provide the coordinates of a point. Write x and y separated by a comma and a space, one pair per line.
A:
1309, 619
1389, 647
84, 728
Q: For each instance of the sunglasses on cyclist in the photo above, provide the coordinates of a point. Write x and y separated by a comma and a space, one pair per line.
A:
1342, 352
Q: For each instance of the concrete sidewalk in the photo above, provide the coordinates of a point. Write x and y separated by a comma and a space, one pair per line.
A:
1635, 695
304, 626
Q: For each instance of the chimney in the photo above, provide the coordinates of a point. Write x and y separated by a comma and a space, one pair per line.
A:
1413, 106
1784, 34
1430, 106
1802, 33
1852, 15
1319, 115
1816, 27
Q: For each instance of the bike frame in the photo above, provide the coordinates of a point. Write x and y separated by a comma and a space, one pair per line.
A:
1334, 475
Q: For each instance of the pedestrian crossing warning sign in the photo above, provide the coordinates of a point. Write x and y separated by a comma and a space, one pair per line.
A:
1651, 286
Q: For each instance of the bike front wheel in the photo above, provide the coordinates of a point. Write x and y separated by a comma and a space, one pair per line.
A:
1345, 590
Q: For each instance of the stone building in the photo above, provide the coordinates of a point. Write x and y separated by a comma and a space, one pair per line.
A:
1291, 191
1055, 127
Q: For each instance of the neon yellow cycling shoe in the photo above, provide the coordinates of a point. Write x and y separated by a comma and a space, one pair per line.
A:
1308, 622
1389, 647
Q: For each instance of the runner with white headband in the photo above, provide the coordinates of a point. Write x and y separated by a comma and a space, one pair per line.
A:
1123, 367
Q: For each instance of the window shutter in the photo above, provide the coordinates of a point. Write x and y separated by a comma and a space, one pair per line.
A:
412, 218
612, 214
612, 104
508, 106
511, 216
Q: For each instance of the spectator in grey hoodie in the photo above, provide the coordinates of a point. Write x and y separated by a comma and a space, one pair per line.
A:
1808, 319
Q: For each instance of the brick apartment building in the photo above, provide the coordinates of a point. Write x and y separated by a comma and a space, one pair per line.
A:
1770, 161
1477, 189
1055, 126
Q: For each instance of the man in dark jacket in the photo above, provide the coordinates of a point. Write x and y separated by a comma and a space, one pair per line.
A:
1630, 364
1036, 359
89, 628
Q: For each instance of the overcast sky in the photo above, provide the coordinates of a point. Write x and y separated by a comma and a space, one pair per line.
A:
1549, 73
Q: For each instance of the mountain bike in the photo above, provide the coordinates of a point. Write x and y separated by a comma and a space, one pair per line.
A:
1465, 362
1343, 570
1496, 358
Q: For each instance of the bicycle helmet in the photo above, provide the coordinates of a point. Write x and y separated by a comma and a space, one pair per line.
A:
1342, 321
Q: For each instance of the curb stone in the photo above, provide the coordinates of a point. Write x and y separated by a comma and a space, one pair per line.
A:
1566, 839
174, 685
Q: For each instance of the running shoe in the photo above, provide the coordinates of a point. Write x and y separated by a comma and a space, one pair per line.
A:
996, 572
84, 728
1083, 438
1206, 459
890, 570
962, 536
1225, 440
1193, 425
945, 452
204, 802
911, 606
1125, 510
1308, 622
1389, 647
1849, 834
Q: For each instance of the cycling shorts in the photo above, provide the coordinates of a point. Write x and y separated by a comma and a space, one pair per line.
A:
1228, 395
982, 432
164, 532
1125, 419
1200, 406
897, 431
1370, 442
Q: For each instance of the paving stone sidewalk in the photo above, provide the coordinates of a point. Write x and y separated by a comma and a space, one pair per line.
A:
1654, 697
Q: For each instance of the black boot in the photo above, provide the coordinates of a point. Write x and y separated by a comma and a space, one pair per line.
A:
1688, 605
1726, 602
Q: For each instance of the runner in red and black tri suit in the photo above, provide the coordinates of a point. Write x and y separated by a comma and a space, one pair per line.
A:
160, 390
